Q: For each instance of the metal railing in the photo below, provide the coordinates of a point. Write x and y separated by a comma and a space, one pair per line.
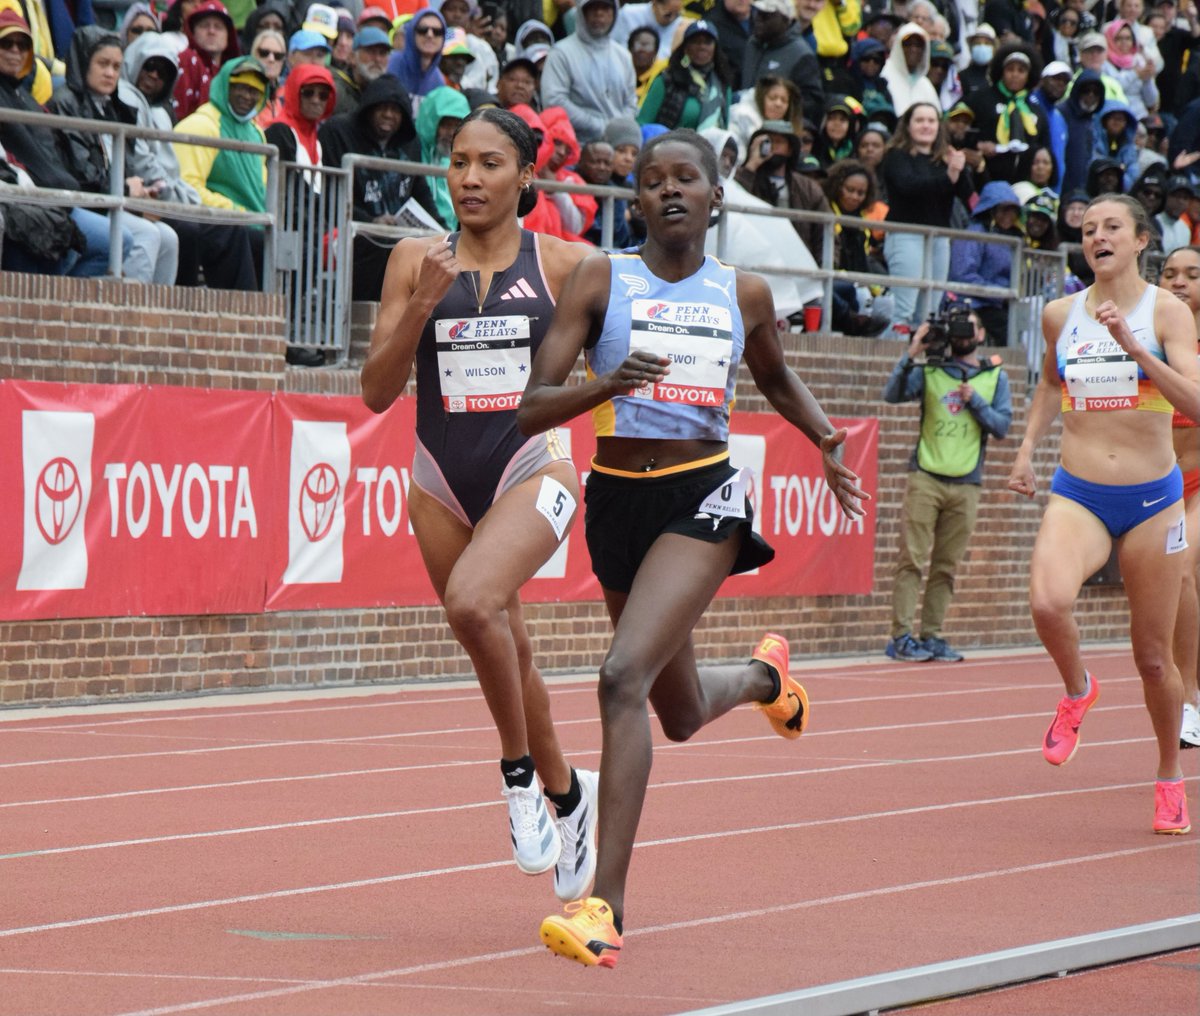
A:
313, 260
116, 204
309, 247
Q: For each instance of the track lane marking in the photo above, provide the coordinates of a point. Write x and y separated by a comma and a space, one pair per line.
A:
358, 980
449, 809
694, 746
405, 734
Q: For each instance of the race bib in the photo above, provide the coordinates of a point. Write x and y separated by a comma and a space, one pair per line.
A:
483, 363
1099, 375
729, 499
698, 340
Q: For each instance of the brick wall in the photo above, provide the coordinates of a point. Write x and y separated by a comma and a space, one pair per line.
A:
104, 332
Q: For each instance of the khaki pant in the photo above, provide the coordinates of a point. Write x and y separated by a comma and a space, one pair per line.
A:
938, 520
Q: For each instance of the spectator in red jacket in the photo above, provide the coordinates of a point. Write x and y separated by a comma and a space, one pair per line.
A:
212, 41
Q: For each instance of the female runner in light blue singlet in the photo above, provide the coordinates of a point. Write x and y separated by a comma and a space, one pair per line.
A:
664, 328
1119, 355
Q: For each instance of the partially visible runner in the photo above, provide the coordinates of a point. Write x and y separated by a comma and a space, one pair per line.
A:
488, 505
668, 520
1181, 275
1123, 357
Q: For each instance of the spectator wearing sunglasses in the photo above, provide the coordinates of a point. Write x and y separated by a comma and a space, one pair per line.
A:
417, 64
139, 18
269, 48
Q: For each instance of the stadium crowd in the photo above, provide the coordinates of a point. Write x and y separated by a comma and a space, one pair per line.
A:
998, 116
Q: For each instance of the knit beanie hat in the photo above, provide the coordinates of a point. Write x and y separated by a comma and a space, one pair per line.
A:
623, 130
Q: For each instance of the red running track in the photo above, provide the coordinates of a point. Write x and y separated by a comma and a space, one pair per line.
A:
347, 854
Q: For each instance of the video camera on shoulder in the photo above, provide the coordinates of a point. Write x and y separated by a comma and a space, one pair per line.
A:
953, 323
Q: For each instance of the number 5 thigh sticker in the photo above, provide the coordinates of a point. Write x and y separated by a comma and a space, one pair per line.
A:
556, 503
1177, 536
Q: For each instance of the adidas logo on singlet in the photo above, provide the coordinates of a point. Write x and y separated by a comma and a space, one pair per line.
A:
520, 290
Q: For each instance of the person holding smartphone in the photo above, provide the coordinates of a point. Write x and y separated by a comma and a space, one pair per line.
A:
771, 173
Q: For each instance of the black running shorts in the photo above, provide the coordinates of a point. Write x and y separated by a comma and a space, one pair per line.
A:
624, 515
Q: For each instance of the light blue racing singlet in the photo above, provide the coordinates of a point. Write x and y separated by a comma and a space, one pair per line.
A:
696, 324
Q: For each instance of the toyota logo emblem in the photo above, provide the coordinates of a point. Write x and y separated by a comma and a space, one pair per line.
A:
318, 501
59, 497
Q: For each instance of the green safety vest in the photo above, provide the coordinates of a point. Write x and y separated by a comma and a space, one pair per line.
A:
950, 434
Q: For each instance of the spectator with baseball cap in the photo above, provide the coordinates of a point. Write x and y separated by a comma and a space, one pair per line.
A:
518, 84
696, 87
372, 48
1010, 127
376, 17
1050, 89
981, 45
1093, 56
212, 42
589, 74
483, 69
776, 47
907, 68
308, 47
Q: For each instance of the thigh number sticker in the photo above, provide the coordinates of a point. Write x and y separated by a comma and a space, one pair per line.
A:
1177, 536
729, 499
556, 503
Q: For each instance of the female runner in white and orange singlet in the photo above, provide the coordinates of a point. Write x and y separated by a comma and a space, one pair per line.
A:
1123, 358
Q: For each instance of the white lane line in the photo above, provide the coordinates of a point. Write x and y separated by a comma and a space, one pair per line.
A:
487, 865
408, 734
559, 991
782, 908
448, 809
203, 709
695, 747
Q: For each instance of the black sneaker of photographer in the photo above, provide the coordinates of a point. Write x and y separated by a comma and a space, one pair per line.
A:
941, 650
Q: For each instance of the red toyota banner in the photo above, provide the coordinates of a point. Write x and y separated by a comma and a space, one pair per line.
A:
133, 500
143, 500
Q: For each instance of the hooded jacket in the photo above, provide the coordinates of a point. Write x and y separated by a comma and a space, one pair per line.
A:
1123, 149
788, 56
294, 135
87, 156
544, 217
979, 263
571, 206
1097, 167
35, 148
222, 178
133, 11
406, 65
592, 78
1081, 128
197, 68
377, 191
873, 93
153, 160
435, 107
250, 29
908, 88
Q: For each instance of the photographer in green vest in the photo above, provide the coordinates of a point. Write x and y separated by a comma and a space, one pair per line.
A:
964, 400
